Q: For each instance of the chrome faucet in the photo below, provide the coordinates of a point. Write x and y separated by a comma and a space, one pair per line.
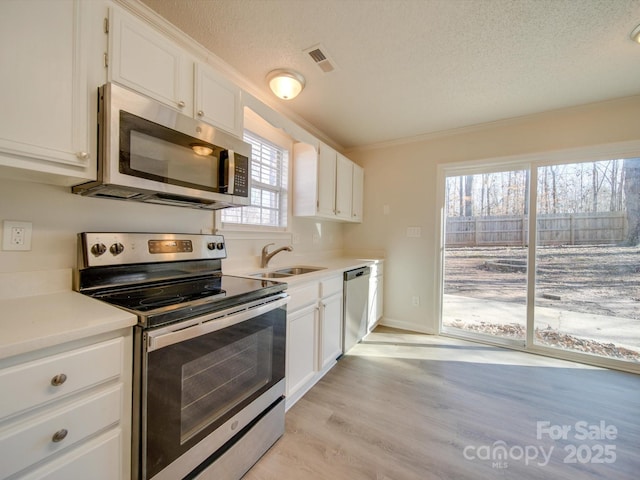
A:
264, 261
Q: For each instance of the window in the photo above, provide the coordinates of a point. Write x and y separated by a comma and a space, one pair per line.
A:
269, 182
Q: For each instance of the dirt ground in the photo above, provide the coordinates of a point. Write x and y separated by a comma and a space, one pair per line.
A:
592, 279
598, 279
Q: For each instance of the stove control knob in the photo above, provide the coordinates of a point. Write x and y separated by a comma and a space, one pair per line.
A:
211, 246
220, 246
98, 249
116, 248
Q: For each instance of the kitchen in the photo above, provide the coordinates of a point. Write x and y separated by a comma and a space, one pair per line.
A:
58, 216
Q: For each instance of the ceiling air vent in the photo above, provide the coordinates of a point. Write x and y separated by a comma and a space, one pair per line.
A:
321, 58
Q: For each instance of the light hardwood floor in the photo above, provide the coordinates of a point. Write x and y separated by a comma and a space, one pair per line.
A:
417, 407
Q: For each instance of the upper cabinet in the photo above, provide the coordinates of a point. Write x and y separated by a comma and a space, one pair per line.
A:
148, 62
344, 187
217, 101
326, 184
51, 61
358, 193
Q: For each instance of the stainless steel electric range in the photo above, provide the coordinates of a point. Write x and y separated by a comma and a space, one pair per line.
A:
209, 351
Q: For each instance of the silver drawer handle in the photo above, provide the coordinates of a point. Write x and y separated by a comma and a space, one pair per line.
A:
59, 435
58, 380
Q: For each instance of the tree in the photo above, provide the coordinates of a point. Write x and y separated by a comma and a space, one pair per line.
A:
468, 196
632, 199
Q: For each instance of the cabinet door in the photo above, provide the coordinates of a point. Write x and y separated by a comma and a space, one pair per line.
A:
327, 181
330, 329
45, 90
145, 61
358, 189
217, 100
98, 459
301, 348
344, 187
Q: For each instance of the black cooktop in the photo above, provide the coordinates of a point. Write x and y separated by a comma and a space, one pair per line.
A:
162, 303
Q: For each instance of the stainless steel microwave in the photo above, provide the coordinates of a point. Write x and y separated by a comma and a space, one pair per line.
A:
148, 152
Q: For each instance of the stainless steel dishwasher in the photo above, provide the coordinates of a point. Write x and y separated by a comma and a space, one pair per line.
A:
356, 306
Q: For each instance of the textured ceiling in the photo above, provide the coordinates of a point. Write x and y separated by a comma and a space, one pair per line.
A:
410, 67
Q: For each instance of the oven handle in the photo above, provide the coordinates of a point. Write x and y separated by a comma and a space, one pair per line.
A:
163, 338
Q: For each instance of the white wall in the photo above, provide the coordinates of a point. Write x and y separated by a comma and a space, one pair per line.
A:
403, 176
58, 216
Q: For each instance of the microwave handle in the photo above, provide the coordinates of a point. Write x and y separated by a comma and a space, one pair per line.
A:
232, 172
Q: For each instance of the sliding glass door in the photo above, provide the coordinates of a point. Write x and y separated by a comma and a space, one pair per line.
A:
485, 255
588, 265
561, 277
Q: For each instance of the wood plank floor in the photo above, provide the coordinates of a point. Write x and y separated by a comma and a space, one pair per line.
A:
410, 406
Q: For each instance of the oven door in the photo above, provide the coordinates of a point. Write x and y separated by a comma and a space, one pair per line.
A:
202, 381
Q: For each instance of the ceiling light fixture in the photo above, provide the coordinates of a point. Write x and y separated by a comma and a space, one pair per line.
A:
635, 35
285, 84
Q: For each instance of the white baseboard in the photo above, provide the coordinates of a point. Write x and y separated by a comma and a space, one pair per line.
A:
402, 325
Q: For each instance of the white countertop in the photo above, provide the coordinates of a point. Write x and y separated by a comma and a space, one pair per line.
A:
47, 318
39, 310
330, 266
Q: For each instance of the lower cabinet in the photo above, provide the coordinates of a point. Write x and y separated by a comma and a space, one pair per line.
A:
301, 348
314, 334
69, 413
331, 321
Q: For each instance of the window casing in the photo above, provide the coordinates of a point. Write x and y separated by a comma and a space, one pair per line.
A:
269, 187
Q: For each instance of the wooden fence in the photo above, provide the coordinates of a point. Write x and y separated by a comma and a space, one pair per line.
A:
564, 229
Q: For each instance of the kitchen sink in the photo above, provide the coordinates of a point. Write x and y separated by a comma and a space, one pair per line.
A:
271, 275
288, 272
298, 270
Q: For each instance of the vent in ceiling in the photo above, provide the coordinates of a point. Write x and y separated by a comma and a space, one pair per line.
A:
318, 53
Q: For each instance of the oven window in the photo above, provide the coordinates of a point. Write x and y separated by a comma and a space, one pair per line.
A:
214, 383
154, 152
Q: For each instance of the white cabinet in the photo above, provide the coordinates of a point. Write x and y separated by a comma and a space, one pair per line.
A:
146, 61
302, 339
376, 294
69, 411
217, 101
330, 338
301, 348
51, 62
344, 187
324, 180
358, 193
314, 334
323, 184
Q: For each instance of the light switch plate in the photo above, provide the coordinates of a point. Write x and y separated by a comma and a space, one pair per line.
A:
16, 236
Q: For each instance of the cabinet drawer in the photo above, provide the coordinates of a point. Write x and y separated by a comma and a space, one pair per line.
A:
33, 383
98, 459
329, 286
302, 296
35, 439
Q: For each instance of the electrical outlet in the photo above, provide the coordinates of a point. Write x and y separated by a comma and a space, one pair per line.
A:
16, 235
414, 232
415, 301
